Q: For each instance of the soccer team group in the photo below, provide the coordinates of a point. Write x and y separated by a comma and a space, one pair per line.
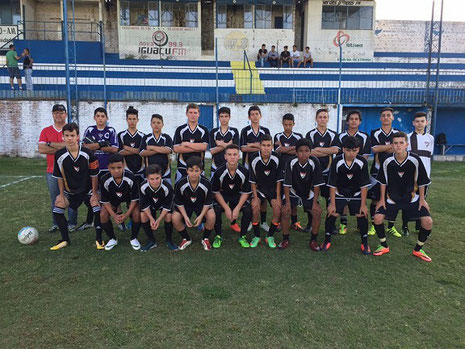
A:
105, 170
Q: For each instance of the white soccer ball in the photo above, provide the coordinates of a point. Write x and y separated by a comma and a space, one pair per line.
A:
28, 235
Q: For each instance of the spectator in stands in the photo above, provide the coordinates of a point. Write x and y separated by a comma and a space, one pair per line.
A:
12, 64
273, 57
295, 56
27, 67
306, 58
285, 57
262, 53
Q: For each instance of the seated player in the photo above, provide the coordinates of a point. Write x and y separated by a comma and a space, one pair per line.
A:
266, 175
231, 189
348, 186
399, 176
156, 194
116, 187
76, 169
302, 182
193, 194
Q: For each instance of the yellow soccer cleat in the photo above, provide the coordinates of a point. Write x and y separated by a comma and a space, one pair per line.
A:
59, 245
100, 246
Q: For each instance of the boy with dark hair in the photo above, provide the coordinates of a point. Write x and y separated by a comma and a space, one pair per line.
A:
285, 57
156, 194
348, 185
231, 189
302, 182
400, 176
221, 137
76, 169
119, 186
157, 146
190, 139
266, 175
193, 194
284, 144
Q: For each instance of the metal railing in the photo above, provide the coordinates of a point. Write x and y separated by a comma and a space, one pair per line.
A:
246, 59
53, 30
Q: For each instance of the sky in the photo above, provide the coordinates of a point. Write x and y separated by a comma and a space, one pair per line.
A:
454, 10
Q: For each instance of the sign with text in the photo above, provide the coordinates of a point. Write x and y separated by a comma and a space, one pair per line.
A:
7, 33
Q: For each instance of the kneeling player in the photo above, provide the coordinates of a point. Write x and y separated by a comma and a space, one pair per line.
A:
193, 194
156, 194
76, 169
301, 175
231, 188
348, 186
116, 187
399, 176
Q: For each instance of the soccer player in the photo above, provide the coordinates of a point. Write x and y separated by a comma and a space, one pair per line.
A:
422, 144
193, 194
231, 189
76, 169
119, 186
250, 145
302, 182
266, 175
129, 142
399, 176
381, 145
190, 139
156, 194
221, 137
284, 144
354, 120
157, 146
349, 180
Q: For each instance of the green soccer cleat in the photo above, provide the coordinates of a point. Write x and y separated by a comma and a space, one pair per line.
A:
393, 231
342, 229
243, 242
217, 242
372, 230
270, 241
255, 241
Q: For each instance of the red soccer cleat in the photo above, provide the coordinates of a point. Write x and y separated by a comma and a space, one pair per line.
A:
314, 246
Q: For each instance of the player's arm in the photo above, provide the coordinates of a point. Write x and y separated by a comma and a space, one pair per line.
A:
251, 147
180, 148
157, 150
195, 146
278, 192
50, 147
332, 205
255, 199
127, 150
202, 214
382, 197
110, 149
363, 204
111, 212
316, 205
220, 199
326, 151
382, 148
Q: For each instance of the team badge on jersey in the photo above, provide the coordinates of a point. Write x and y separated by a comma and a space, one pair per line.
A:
303, 174
192, 140
286, 144
133, 145
350, 175
231, 186
193, 199
155, 200
388, 142
401, 174
267, 172
76, 168
322, 144
119, 194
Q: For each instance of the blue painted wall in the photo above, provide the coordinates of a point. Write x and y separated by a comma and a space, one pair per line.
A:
451, 121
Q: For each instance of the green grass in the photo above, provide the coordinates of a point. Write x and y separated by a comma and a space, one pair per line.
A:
232, 297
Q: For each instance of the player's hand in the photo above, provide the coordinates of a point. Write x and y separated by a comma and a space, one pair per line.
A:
279, 201
94, 200
255, 203
316, 208
154, 224
364, 210
198, 221
103, 143
228, 213
379, 205
61, 201
424, 204
120, 218
188, 222
221, 144
115, 217
89, 140
234, 214
331, 209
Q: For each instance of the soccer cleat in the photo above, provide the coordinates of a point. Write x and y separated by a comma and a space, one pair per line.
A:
100, 246
325, 246
372, 230
365, 249
265, 226
61, 244
284, 244
54, 228
85, 226
243, 242
110, 244
270, 241
217, 241
171, 246
380, 250
236, 227
342, 229
393, 231
297, 227
184, 243
71, 228
314, 246
405, 231
135, 244
122, 227
206, 244
255, 241
308, 229
335, 231
422, 255
150, 245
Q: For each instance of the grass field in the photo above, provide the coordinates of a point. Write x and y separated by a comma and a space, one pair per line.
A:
232, 297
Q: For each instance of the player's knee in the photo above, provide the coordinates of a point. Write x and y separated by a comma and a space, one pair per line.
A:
143, 217
427, 223
378, 219
104, 216
168, 218
211, 216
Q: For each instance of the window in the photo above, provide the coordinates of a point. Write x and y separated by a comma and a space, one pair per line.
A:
10, 12
263, 16
153, 14
273, 17
124, 12
234, 16
347, 17
179, 14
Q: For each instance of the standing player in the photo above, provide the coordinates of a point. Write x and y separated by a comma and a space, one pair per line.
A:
381, 145
221, 137
349, 180
129, 145
190, 139
156, 194
231, 189
266, 175
119, 186
400, 175
354, 120
422, 144
250, 145
76, 169
284, 144
302, 182
193, 194
157, 146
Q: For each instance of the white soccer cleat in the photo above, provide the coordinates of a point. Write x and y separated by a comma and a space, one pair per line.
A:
265, 226
110, 244
135, 244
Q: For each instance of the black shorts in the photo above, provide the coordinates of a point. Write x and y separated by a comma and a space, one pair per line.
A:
191, 210
14, 72
154, 211
266, 196
77, 200
374, 191
324, 189
410, 210
354, 205
116, 204
307, 204
232, 202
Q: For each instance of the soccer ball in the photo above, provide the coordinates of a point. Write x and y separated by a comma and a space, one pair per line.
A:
28, 235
